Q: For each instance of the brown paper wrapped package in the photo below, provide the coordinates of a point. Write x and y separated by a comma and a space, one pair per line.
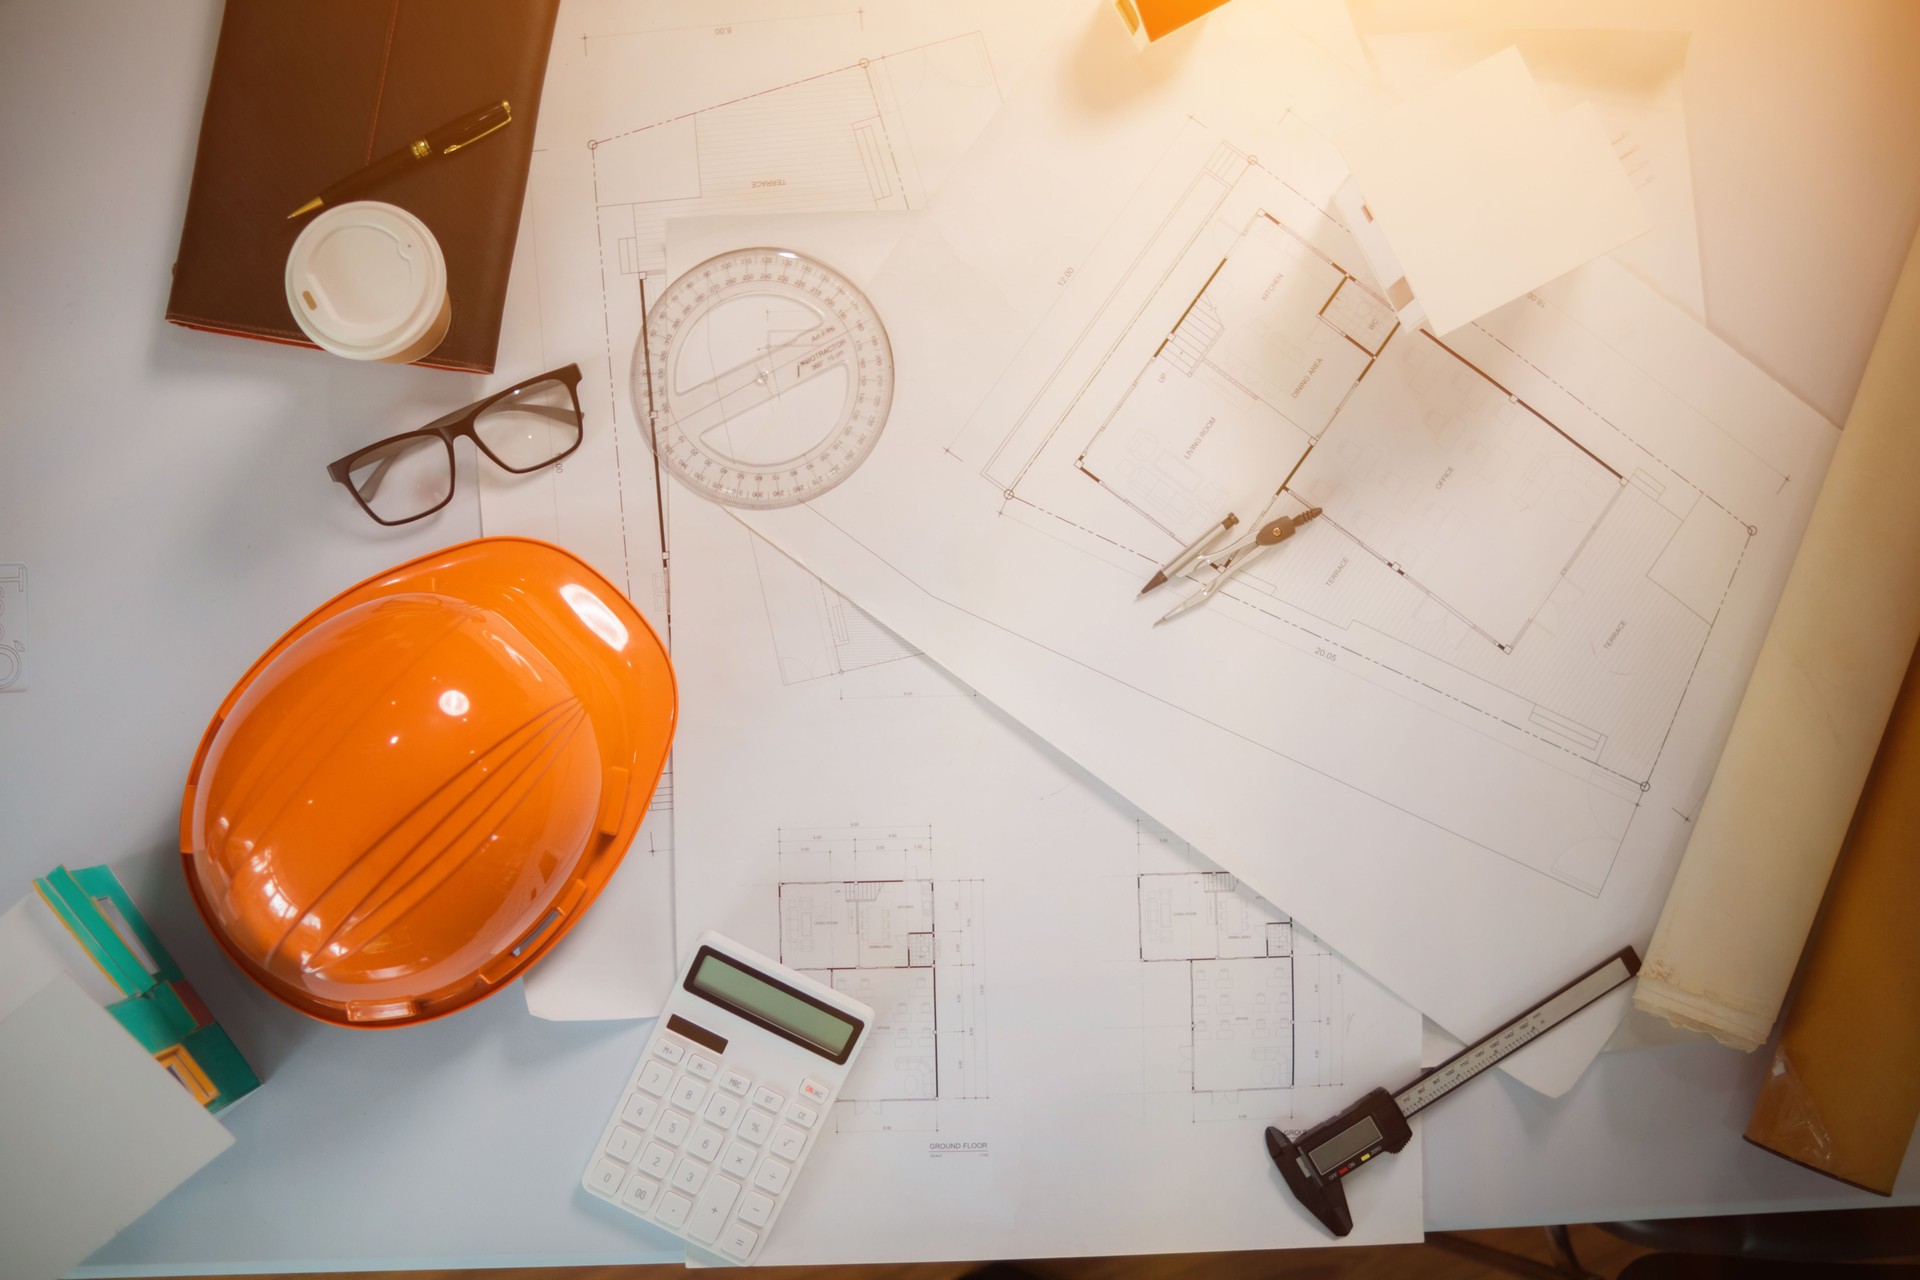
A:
1844, 1090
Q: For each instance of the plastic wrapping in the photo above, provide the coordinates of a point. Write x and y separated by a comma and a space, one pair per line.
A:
1804, 740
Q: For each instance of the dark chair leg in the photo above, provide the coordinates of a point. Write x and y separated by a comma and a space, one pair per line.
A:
1560, 1241
1565, 1266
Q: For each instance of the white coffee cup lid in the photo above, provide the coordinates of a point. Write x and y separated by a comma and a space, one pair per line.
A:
366, 280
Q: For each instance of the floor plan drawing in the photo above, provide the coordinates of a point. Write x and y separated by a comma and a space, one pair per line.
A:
1434, 470
861, 909
1270, 349
1235, 999
1519, 567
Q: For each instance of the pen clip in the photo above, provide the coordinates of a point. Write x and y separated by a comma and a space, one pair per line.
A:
505, 120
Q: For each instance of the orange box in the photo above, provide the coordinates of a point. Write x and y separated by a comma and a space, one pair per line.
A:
1148, 20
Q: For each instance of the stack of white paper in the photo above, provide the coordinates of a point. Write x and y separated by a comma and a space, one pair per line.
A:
1482, 193
92, 1131
1457, 725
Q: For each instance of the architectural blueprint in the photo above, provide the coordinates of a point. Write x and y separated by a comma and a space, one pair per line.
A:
641, 93
657, 109
660, 108
1236, 997
1494, 676
863, 910
1069, 1002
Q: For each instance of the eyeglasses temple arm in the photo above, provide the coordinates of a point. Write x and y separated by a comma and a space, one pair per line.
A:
371, 485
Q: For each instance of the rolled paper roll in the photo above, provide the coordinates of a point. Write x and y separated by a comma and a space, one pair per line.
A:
1812, 718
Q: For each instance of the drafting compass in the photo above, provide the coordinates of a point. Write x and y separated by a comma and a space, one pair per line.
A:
1313, 1164
766, 377
1228, 560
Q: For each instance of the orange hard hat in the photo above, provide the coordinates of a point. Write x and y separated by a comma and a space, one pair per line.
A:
414, 793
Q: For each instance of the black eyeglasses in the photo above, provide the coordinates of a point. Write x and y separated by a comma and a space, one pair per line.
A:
524, 428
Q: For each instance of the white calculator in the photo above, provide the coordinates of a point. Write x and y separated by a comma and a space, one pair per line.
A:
728, 1099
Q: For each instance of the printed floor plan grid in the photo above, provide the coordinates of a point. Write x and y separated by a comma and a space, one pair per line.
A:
871, 919
1236, 999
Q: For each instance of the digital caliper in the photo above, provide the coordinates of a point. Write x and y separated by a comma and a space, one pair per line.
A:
1313, 1164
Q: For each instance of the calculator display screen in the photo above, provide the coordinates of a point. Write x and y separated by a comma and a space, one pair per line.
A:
773, 1005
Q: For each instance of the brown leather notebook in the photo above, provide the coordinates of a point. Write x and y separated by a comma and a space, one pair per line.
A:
306, 92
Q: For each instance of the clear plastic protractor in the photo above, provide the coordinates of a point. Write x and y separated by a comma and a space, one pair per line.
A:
766, 377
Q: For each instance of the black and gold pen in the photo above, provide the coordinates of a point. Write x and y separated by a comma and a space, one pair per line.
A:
444, 141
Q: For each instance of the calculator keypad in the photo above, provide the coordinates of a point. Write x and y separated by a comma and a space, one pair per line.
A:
710, 1214
640, 1192
756, 1127
740, 1241
673, 1209
624, 1144
756, 1210
654, 1078
787, 1142
690, 1174
703, 1149
706, 1143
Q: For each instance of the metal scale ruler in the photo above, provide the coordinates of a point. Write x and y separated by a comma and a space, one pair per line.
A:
1313, 1164
766, 377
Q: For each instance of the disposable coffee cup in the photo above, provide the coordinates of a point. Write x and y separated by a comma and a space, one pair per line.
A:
368, 281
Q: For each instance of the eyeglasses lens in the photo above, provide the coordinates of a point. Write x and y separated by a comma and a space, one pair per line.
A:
530, 428
403, 478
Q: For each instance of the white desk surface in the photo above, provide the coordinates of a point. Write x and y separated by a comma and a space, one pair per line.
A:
167, 491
